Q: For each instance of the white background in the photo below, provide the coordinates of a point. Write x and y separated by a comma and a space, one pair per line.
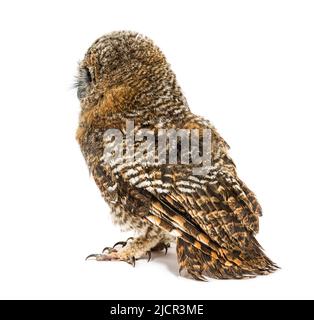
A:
248, 66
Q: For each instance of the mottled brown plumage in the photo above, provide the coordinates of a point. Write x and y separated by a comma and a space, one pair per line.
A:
213, 217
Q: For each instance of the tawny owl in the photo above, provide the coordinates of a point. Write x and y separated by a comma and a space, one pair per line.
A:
212, 216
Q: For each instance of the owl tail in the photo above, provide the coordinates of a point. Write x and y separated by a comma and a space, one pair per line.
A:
224, 263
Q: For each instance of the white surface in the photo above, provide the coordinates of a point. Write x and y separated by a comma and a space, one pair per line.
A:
248, 66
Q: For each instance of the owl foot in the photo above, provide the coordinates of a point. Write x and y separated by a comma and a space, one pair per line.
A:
112, 254
134, 248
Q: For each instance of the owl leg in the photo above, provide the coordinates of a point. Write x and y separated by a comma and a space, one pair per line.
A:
135, 248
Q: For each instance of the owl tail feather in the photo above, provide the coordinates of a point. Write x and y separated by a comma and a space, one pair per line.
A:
223, 264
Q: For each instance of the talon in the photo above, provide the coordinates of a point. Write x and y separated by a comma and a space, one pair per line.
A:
102, 257
166, 246
105, 249
123, 243
132, 261
99, 257
110, 250
149, 253
91, 256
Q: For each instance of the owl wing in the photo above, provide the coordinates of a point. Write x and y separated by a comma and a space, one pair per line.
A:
217, 205
214, 216
210, 209
211, 216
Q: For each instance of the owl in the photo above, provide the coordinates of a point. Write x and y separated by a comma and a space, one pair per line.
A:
130, 101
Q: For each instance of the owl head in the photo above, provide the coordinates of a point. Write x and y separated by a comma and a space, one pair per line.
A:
120, 61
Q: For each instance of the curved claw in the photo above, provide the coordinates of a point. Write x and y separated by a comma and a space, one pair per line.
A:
105, 249
166, 246
110, 250
91, 256
123, 243
132, 261
149, 253
102, 257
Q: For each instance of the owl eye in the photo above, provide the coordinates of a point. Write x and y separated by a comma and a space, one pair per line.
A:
84, 80
87, 75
